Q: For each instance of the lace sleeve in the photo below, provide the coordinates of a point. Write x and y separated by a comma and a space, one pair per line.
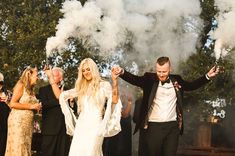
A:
110, 125
70, 119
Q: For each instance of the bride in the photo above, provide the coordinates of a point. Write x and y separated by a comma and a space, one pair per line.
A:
99, 110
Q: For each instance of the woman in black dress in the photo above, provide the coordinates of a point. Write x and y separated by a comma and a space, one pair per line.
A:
4, 111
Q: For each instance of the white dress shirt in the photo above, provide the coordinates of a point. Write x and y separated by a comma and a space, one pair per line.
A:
164, 104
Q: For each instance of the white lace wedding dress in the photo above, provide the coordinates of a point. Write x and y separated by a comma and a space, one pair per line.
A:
91, 126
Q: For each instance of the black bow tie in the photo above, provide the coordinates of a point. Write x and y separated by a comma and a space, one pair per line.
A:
167, 81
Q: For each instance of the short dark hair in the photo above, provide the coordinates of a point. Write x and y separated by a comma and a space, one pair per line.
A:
162, 60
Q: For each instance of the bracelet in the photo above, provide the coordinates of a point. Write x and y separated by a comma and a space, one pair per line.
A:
207, 77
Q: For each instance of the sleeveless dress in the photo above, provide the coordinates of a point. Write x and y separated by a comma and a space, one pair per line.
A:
91, 127
20, 129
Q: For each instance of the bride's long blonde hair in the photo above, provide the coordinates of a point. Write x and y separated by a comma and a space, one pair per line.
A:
91, 87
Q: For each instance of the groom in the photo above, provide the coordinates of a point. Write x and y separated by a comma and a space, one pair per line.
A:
161, 115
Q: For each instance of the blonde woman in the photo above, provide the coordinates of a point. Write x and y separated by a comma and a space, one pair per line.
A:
99, 110
20, 120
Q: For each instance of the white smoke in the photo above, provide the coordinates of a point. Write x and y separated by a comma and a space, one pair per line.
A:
219, 49
78, 22
156, 27
225, 33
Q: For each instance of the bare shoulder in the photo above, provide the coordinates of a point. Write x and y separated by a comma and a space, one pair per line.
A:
18, 87
17, 91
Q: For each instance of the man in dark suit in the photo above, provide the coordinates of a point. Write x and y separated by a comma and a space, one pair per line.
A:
161, 115
55, 141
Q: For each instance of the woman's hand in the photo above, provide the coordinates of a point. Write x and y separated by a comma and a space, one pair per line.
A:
36, 106
114, 74
3, 97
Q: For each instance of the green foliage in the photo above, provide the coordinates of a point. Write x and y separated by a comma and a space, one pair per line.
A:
208, 13
25, 27
196, 109
69, 60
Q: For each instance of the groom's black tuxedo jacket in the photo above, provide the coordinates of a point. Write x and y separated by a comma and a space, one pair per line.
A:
149, 83
52, 117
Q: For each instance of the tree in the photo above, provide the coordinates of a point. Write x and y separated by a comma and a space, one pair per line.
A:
25, 27
196, 108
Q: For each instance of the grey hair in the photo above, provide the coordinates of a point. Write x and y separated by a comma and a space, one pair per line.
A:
61, 71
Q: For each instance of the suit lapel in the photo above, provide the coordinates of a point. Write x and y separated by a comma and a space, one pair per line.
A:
177, 90
179, 103
150, 102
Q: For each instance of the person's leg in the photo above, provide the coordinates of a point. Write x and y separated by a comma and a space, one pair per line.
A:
125, 138
111, 146
62, 145
142, 148
154, 139
170, 143
48, 145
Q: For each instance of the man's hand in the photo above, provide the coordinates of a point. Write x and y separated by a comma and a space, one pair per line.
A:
213, 71
117, 70
48, 72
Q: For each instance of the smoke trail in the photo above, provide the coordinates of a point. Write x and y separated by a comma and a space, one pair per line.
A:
225, 33
78, 22
153, 27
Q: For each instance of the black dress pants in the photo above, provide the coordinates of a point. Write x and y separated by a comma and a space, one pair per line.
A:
162, 138
142, 148
55, 145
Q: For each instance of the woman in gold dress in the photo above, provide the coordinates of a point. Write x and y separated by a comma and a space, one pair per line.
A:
20, 120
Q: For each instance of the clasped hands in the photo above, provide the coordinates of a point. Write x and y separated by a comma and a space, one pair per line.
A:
116, 71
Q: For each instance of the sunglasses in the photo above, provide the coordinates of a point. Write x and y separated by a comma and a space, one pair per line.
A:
1, 82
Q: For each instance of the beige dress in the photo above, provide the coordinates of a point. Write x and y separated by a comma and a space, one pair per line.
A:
20, 129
